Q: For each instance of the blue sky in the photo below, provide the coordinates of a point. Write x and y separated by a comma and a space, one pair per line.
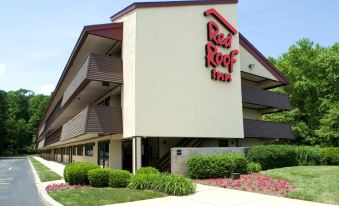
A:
37, 36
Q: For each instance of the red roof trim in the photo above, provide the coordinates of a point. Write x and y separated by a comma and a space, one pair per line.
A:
168, 4
103, 30
262, 59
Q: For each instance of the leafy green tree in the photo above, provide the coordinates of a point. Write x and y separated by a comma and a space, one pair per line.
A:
20, 112
3, 117
329, 126
313, 73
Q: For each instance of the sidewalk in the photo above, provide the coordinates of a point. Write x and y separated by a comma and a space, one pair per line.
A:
206, 196
215, 196
54, 166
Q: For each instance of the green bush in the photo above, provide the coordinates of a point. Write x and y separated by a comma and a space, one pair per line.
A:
330, 155
167, 183
77, 172
216, 165
119, 178
147, 170
273, 156
98, 177
307, 155
253, 167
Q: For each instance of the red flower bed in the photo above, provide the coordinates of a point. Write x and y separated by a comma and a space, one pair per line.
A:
253, 183
62, 187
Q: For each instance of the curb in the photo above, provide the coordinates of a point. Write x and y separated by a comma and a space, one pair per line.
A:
44, 197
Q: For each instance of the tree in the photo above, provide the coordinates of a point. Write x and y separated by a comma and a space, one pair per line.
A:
3, 117
20, 112
313, 73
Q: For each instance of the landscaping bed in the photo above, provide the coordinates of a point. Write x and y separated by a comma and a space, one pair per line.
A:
44, 173
255, 182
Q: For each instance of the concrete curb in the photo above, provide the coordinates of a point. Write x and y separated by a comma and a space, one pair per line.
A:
44, 197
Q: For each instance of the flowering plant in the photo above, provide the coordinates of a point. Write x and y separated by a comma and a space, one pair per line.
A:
253, 183
62, 187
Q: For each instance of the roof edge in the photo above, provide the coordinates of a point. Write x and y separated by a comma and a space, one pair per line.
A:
137, 5
262, 59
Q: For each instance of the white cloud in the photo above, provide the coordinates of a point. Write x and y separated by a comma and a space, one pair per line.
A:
2, 69
46, 89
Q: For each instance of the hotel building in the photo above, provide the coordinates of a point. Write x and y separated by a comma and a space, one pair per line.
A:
161, 75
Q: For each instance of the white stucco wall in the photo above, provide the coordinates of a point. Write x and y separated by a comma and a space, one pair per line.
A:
251, 114
129, 67
259, 69
173, 94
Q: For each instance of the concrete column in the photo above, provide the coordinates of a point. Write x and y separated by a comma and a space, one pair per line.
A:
115, 154
136, 153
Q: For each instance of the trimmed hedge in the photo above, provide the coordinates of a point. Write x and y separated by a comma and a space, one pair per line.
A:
276, 156
98, 177
167, 183
330, 155
77, 172
119, 178
216, 165
147, 170
273, 156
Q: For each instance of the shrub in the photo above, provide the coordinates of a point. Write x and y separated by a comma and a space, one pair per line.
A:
77, 172
307, 155
217, 165
167, 183
330, 155
98, 177
273, 156
253, 167
119, 178
147, 170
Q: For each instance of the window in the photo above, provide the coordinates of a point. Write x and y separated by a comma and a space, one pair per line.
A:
107, 101
80, 149
223, 143
74, 152
89, 149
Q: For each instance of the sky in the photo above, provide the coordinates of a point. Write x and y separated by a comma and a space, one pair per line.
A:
38, 36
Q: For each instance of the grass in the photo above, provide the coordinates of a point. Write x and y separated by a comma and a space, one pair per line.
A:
101, 196
45, 174
314, 183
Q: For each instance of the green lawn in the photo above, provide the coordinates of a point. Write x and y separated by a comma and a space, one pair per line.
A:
314, 183
45, 174
101, 196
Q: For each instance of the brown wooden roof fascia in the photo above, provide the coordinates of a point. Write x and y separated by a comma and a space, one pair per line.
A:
137, 5
262, 59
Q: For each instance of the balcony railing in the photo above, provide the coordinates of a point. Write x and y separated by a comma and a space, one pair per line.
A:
265, 129
262, 99
93, 120
95, 68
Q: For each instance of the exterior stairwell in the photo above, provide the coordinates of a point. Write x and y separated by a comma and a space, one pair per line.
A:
165, 160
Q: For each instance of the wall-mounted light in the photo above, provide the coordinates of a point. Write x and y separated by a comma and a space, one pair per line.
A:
251, 66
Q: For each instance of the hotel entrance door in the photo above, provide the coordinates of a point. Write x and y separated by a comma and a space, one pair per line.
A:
103, 154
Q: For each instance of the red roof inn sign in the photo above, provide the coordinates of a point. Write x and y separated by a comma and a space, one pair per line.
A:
216, 38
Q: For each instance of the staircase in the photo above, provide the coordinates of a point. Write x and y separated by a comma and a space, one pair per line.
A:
165, 160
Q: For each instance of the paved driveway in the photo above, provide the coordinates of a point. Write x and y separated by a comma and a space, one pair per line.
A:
17, 187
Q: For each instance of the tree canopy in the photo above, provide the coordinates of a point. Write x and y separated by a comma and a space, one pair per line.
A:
20, 112
313, 74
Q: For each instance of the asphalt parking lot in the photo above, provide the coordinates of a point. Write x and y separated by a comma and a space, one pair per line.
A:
17, 187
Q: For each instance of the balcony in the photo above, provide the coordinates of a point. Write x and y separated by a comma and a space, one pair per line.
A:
93, 121
97, 75
263, 100
265, 129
